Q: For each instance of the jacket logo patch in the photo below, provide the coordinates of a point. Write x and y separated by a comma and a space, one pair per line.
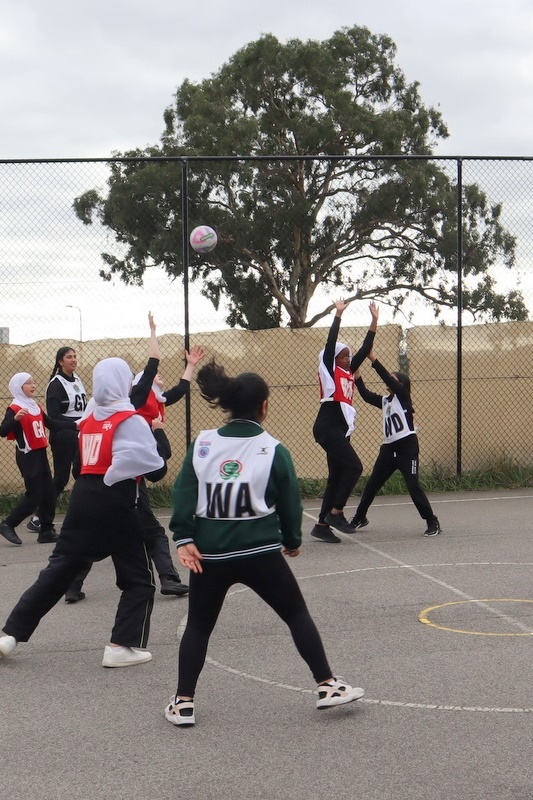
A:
230, 469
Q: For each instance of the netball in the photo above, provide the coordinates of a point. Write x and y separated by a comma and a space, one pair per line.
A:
203, 239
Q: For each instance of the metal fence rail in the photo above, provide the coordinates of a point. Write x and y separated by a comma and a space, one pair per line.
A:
471, 377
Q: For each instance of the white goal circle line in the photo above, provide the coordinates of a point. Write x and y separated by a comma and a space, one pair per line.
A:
373, 701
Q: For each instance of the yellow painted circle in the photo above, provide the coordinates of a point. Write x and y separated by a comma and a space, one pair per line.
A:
423, 616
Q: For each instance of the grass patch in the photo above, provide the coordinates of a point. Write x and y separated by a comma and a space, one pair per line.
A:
500, 474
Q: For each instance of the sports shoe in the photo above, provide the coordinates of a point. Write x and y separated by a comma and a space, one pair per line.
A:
9, 533
339, 522
337, 692
325, 534
7, 645
433, 527
34, 525
46, 537
359, 523
180, 712
124, 656
171, 584
74, 596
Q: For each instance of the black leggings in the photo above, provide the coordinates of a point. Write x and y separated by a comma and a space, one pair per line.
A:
271, 578
402, 456
154, 536
64, 445
134, 578
344, 465
101, 521
39, 486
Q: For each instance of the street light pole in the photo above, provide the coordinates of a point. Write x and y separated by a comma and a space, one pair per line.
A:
79, 312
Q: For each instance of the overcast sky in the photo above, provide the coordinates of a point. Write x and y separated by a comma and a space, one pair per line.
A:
87, 79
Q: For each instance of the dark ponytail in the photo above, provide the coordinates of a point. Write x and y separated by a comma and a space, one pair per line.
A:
60, 355
242, 396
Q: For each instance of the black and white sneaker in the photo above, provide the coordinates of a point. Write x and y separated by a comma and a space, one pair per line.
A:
433, 528
359, 523
339, 522
180, 712
34, 525
337, 692
325, 534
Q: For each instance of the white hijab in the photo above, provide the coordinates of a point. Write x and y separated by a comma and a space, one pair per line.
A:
111, 387
326, 379
134, 446
19, 398
123, 404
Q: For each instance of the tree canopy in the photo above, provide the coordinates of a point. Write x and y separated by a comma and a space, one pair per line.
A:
308, 193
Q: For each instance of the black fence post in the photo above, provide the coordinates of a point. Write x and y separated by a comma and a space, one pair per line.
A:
185, 253
459, 420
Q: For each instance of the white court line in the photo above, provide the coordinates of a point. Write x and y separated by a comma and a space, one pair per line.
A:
448, 586
368, 700
409, 502
397, 564
435, 502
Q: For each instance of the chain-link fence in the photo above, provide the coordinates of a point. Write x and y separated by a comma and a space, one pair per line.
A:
294, 234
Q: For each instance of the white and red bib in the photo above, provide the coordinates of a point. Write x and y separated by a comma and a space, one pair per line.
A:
33, 430
152, 409
96, 442
344, 384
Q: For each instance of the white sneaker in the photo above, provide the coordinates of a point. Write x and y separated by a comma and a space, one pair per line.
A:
180, 712
337, 692
7, 645
124, 656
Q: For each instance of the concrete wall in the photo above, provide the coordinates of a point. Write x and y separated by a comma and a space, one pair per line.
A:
497, 384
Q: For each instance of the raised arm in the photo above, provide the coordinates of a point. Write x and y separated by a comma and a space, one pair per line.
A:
329, 351
178, 391
141, 390
192, 358
153, 345
366, 347
388, 379
372, 398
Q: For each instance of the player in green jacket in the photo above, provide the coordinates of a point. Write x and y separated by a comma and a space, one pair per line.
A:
237, 511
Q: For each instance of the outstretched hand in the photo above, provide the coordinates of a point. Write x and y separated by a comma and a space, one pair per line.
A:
341, 305
190, 557
153, 344
374, 310
195, 355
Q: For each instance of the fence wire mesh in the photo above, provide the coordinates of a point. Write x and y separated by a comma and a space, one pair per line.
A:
470, 377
